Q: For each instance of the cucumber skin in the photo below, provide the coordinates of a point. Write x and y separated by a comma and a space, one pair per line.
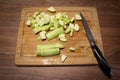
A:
48, 52
50, 46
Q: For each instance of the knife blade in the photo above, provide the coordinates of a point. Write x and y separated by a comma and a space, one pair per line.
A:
102, 63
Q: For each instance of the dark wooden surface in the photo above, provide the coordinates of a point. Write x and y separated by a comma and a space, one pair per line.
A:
109, 18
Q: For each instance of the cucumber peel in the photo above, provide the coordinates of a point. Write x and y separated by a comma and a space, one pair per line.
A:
48, 52
48, 46
49, 49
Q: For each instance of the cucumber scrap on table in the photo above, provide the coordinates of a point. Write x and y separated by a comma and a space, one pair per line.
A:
52, 26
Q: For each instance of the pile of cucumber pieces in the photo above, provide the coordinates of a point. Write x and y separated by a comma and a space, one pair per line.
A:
52, 26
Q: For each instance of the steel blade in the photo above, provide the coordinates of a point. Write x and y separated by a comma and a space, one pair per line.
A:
87, 30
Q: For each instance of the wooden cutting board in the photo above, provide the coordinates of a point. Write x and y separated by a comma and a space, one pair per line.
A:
27, 40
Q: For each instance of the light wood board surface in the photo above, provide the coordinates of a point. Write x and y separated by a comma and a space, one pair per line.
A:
27, 40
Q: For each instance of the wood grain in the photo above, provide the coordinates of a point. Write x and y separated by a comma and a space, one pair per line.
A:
108, 15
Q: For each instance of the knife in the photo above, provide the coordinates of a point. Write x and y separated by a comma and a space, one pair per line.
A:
102, 63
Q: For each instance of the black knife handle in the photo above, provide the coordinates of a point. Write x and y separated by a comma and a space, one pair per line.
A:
103, 64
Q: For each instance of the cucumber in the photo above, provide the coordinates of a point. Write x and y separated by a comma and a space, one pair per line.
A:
78, 17
42, 35
48, 52
63, 57
55, 33
72, 49
48, 46
42, 28
70, 27
71, 33
51, 9
49, 49
62, 37
76, 28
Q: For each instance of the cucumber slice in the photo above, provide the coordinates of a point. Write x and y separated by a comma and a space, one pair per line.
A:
76, 28
71, 32
48, 46
49, 49
43, 28
72, 19
51, 9
63, 57
72, 49
70, 27
78, 17
28, 23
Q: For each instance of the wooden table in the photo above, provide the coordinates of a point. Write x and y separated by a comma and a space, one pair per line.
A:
109, 17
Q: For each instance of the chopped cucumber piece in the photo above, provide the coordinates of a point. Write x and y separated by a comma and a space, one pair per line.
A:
72, 19
42, 35
64, 26
71, 32
70, 27
78, 17
28, 23
48, 52
36, 25
46, 19
61, 22
56, 23
68, 30
48, 46
34, 22
49, 49
72, 49
52, 19
42, 14
58, 15
66, 20
76, 28
52, 28
51, 9
35, 14
54, 33
64, 15
62, 37
40, 22
63, 57
42, 28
